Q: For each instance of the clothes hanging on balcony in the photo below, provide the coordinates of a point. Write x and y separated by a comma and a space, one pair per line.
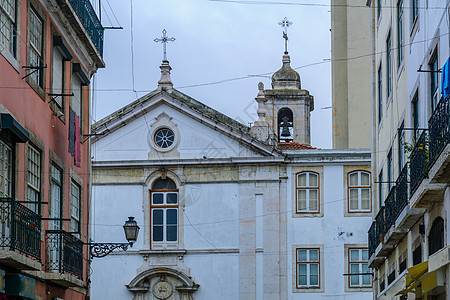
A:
77, 141
71, 132
445, 79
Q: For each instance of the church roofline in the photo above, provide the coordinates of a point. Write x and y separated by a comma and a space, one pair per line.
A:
138, 107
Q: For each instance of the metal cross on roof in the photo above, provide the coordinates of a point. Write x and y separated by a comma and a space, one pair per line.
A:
164, 40
285, 23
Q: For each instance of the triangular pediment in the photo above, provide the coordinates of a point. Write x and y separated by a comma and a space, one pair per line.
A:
173, 126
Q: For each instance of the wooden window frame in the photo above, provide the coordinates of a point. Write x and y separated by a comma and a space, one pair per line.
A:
360, 262
12, 19
37, 189
359, 210
389, 73
297, 263
164, 243
73, 217
307, 188
10, 192
60, 184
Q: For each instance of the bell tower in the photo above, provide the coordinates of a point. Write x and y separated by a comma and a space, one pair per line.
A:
285, 109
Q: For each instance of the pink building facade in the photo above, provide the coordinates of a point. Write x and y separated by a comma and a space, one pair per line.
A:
49, 51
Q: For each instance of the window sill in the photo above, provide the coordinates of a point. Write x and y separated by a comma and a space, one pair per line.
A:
307, 215
358, 214
358, 289
12, 61
308, 290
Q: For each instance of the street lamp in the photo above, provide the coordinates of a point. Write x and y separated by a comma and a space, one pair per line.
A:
131, 230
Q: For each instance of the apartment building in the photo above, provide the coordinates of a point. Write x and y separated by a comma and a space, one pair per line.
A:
409, 239
48, 52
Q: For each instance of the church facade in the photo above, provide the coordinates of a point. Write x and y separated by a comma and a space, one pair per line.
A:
227, 211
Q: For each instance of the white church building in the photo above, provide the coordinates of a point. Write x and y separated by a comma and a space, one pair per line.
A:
227, 211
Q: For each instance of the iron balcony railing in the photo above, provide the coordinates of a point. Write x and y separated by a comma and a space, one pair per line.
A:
373, 241
390, 209
439, 129
418, 162
90, 21
20, 228
64, 253
380, 224
401, 191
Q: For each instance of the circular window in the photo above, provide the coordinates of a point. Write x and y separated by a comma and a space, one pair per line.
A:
164, 138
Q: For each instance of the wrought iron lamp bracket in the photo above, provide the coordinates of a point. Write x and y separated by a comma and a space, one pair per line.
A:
103, 249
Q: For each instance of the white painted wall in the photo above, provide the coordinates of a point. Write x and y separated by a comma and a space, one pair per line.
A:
130, 142
333, 231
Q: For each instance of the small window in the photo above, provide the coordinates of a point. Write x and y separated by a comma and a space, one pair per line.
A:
378, 9
434, 80
402, 262
436, 237
164, 138
164, 213
75, 205
5, 170
390, 175
388, 66
391, 273
380, 189
358, 264
359, 191
8, 29
417, 253
56, 198
308, 268
414, 11
33, 178
401, 147
58, 77
307, 192
400, 31
415, 114
380, 94
36, 33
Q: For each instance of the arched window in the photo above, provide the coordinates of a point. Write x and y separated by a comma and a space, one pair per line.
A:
164, 212
307, 192
285, 125
436, 236
359, 191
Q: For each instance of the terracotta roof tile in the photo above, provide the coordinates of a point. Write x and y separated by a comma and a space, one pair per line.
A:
294, 146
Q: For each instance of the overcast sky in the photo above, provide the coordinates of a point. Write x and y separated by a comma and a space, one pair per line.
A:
215, 42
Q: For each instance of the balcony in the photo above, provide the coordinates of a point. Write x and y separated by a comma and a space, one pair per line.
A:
20, 240
81, 16
64, 262
418, 162
439, 130
376, 235
92, 25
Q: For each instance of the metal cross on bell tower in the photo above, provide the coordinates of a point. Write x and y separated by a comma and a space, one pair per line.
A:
164, 40
285, 23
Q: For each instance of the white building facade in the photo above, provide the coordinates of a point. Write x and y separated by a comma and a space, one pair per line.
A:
227, 211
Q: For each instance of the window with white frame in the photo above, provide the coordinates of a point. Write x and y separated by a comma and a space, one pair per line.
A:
434, 80
58, 76
414, 11
400, 31
380, 94
75, 204
390, 171
307, 192
388, 66
33, 178
164, 212
358, 265
56, 198
36, 31
308, 268
8, 26
5, 170
402, 261
359, 191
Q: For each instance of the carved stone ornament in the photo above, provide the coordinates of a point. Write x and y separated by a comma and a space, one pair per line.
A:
162, 289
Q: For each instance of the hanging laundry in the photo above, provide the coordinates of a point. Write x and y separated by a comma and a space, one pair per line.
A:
445, 79
71, 132
77, 158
